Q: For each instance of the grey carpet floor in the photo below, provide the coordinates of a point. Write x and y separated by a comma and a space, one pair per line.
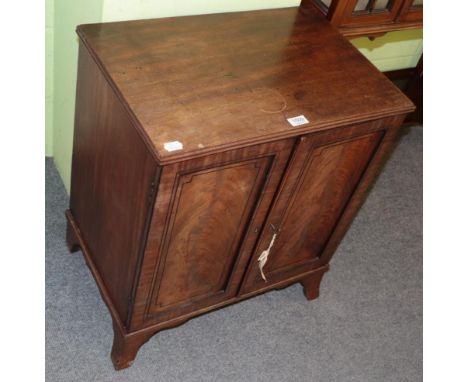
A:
366, 325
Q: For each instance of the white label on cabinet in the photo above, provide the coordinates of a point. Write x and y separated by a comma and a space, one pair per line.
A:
298, 121
173, 146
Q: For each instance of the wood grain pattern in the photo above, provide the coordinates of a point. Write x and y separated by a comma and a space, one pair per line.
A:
319, 182
362, 189
236, 85
411, 12
270, 160
327, 180
112, 172
211, 210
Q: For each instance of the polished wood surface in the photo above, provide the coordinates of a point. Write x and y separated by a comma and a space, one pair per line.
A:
227, 80
108, 155
211, 211
411, 12
321, 177
267, 162
169, 236
328, 175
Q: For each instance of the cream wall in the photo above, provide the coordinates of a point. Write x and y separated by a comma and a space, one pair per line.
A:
116, 10
393, 51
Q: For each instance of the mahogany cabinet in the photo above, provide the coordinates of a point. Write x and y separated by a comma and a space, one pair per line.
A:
370, 17
217, 157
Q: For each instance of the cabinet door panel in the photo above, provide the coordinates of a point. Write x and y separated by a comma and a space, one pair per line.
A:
412, 11
204, 227
363, 12
319, 182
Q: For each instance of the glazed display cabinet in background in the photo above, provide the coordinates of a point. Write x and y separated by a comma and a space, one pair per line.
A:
370, 17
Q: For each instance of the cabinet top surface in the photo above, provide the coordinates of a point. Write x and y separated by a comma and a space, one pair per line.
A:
225, 80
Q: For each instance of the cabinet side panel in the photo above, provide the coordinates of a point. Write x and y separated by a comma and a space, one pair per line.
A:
112, 171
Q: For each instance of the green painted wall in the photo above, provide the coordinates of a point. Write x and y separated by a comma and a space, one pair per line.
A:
49, 78
393, 51
67, 15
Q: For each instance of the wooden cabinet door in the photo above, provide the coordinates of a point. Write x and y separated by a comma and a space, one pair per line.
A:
411, 11
205, 224
323, 173
364, 12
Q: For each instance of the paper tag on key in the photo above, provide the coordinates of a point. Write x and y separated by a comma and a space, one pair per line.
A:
298, 121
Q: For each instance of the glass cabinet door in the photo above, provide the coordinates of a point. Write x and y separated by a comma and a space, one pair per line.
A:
369, 17
372, 6
356, 7
363, 12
